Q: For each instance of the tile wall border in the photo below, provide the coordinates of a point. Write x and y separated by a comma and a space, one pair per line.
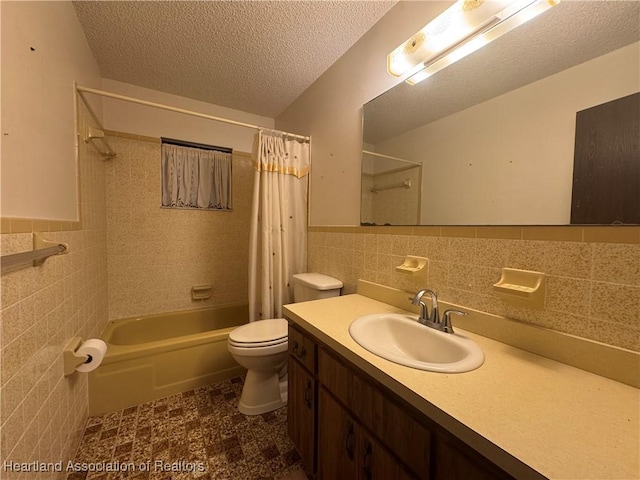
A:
30, 225
578, 233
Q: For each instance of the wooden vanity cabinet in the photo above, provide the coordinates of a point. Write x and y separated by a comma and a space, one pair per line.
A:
376, 420
347, 426
302, 396
347, 451
455, 461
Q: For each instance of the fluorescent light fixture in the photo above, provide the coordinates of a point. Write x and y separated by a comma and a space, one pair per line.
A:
463, 28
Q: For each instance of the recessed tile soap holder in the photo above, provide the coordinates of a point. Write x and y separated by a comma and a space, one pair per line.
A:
201, 292
524, 288
417, 267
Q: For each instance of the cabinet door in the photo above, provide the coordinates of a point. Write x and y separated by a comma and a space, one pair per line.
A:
346, 451
337, 441
301, 412
376, 463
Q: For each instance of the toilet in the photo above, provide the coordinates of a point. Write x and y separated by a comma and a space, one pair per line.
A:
262, 346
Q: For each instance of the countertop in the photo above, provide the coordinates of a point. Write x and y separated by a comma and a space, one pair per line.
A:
532, 416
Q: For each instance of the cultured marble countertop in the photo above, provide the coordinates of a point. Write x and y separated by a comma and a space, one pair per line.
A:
532, 416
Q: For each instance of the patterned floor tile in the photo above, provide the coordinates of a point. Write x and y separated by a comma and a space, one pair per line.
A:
194, 435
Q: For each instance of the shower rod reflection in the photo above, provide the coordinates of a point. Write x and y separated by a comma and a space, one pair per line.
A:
405, 184
139, 101
374, 154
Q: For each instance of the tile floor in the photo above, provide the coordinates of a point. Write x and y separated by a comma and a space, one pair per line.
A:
193, 435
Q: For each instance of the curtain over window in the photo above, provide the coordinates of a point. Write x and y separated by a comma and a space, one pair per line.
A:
195, 177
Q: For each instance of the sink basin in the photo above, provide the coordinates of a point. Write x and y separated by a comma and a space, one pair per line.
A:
401, 339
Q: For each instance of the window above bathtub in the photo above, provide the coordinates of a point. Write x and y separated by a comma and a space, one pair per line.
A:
196, 176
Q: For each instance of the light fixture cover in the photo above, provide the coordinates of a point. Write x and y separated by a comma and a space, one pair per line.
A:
460, 30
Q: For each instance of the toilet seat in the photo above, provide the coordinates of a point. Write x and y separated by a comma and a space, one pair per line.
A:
257, 344
262, 333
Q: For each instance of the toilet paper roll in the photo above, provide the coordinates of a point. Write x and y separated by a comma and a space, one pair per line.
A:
95, 349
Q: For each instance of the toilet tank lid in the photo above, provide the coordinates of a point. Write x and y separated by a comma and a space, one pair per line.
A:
318, 281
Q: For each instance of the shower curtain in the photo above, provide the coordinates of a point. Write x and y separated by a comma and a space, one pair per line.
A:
278, 238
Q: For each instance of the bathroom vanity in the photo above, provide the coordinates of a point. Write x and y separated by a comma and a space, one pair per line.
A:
355, 415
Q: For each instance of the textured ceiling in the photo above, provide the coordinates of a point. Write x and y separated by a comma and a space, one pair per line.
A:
254, 56
566, 35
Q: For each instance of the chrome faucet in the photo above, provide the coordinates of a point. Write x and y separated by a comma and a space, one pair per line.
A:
433, 320
434, 316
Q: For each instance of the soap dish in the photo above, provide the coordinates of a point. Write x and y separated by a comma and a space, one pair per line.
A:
416, 267
521, 287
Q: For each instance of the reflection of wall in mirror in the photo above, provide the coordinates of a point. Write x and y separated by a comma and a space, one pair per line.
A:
513, 155
366, 203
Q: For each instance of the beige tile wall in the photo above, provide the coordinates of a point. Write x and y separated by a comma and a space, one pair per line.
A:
593, 273
155, 255
43, 412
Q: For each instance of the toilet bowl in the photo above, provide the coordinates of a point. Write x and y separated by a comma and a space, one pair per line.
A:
262, 347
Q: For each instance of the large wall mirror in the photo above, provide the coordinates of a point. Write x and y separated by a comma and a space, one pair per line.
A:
493, 139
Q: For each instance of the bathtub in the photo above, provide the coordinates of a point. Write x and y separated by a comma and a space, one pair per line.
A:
159, 355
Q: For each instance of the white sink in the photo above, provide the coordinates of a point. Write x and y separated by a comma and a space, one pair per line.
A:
401, 339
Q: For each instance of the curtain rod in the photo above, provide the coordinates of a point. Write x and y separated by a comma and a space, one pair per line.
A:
117, 96
202, 146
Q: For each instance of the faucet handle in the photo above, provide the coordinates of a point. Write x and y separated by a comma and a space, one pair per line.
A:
447, 326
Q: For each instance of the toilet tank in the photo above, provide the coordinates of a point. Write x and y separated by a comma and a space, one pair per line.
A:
314, 286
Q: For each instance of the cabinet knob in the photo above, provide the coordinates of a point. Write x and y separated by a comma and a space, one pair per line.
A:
297, 351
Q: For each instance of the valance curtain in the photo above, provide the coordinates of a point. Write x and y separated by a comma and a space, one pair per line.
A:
195, 178
278, 237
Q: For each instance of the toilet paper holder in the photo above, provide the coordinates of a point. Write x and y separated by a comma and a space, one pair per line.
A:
71, 359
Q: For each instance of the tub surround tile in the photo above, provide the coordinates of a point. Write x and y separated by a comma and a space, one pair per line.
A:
147, 274
201, 425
